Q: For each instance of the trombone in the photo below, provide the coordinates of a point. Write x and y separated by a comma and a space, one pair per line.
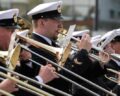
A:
111, 78
14, 55
2, 92
68, 71
38, 91
13, 60
115, 56
24, 88
73, 47
39, 44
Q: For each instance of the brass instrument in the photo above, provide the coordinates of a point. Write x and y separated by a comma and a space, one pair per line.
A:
73, 47
51, 50
31, 80
3, 56
14, 56
24, 24
33, 42
113, 78
5, 93
115, 56
72, 73
36, 44
26, 85
44, 47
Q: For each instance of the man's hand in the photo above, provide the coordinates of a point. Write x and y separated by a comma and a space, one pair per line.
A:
104, 58
8, 85
109, 49
47, 73
84, 43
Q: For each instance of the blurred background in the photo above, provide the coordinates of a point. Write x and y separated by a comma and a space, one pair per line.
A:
99, 16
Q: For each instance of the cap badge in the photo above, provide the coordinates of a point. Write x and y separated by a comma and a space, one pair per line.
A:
59, 9
15, 18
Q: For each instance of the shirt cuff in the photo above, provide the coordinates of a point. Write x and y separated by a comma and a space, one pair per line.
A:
39, 79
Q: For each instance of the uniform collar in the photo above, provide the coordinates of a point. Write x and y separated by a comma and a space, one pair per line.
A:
45, 38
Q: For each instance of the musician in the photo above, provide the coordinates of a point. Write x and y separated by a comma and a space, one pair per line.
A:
116, 89
86, 67
46, 19
46, 26
112, 47
8, 24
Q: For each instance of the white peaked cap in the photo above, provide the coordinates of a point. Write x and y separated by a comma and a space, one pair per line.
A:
108, 37
46, 10
8, 18
8, 14
95, 39
80, 33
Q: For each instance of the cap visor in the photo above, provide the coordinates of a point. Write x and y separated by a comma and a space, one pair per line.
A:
14, 27
59, 17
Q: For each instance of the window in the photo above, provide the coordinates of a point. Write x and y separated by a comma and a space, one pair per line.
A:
118, 14
112, 13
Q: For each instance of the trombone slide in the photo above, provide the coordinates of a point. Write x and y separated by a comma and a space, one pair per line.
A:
5, 93
26, 85
52, 50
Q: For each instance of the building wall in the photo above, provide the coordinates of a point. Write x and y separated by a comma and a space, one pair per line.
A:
77, 9
109, 10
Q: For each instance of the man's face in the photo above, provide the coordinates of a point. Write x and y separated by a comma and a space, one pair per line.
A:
52, 27
5, 35
116, 47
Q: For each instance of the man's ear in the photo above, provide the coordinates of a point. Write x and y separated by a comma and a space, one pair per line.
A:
43, 21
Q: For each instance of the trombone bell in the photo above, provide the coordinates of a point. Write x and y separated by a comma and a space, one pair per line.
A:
14, 56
